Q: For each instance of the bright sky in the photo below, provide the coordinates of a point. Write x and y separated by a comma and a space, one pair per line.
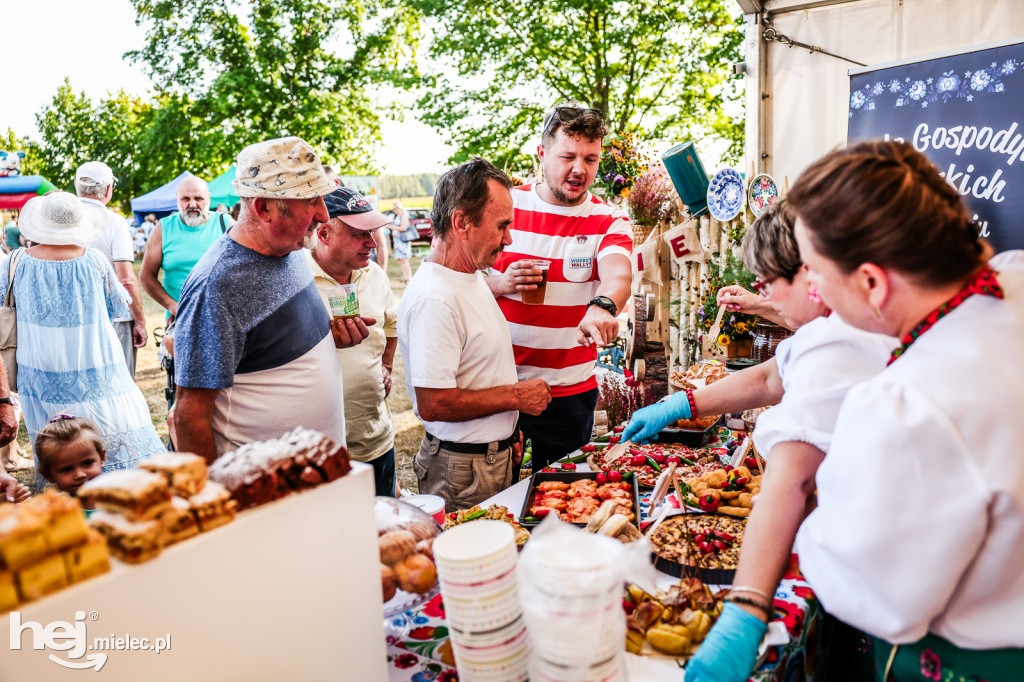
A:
85, 41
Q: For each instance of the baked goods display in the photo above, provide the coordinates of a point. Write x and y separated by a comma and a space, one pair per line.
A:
575, 496
703, 545
138, 495
212, 506
405, 537
185, 472
178, 521
130, 541
44, 547
724, 489
700, 374
139, 516
257, 473
674, 621
494, 512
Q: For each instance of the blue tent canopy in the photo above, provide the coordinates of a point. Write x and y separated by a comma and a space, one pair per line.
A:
161, 201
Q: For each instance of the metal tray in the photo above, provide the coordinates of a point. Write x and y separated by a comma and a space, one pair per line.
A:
710, 576
690, 437
568, 477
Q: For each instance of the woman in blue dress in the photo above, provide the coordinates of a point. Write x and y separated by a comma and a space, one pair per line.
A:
69, 358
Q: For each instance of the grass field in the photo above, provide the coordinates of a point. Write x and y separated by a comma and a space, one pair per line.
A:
152, 380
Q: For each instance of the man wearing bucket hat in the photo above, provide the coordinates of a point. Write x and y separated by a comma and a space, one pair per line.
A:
254, 350
94, 184
341, 256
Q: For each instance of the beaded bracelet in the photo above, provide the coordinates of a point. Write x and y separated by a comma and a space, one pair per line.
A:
736, 599
693, 405
752, 590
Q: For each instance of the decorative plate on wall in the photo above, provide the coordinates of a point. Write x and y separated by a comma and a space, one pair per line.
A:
725, 194
763, 192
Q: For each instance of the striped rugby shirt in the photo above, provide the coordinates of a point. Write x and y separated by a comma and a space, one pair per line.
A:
574, 239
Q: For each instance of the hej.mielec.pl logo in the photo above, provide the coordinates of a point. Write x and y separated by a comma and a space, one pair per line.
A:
74, 639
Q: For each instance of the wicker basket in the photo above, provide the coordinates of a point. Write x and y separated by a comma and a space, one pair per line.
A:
641, 233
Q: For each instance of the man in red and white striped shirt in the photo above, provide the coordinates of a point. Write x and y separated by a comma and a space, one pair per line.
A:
588, 244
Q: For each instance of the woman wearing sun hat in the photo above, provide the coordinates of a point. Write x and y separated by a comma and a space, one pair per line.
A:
69, 358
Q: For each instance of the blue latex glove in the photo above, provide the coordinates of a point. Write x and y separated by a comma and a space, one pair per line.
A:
729, 652
646, 423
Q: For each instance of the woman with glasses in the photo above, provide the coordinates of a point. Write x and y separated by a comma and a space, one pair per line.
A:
810, 374
926, 550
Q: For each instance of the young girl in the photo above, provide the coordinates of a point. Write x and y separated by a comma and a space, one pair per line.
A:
70, 452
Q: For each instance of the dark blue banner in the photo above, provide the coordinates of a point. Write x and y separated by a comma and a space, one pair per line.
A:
966, 112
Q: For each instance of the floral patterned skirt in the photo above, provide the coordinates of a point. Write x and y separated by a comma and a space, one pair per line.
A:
937, 660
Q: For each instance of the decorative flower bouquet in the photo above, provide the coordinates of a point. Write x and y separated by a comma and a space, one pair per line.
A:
650, 202
621, 165
621, 396
735, 326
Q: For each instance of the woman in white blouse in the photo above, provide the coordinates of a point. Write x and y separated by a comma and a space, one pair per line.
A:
810, 373
918, 537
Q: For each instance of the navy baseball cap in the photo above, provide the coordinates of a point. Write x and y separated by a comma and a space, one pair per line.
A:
354, 210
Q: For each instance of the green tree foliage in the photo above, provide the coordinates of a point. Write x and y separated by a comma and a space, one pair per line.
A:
238, 72
657, 67
114, 130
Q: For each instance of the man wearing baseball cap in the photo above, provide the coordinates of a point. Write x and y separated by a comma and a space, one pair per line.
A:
254, 350
341, 255
94, 184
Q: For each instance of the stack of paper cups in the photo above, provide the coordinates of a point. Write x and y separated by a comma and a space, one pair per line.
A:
476, 569
572, 603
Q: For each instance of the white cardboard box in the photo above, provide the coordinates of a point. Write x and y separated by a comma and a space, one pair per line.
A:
289, 591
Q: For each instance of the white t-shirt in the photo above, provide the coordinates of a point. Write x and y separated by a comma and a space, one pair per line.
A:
116, 242
452, 335
919, 526
818, 365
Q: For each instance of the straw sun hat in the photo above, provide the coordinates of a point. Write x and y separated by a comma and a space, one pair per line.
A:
61, 219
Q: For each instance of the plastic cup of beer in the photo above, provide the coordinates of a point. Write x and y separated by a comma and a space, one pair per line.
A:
536, 296
344, 302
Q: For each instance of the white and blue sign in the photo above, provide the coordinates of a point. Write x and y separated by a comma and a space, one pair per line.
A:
966, 113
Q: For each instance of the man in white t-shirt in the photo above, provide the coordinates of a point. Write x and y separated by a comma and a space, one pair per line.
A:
94, 184
459, 365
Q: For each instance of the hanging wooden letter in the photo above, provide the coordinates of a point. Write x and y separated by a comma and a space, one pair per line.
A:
682, 242
645, 261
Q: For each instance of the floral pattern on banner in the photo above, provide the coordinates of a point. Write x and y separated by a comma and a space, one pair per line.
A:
938, 89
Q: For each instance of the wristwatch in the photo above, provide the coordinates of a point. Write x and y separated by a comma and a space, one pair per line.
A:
605, 303
7, 401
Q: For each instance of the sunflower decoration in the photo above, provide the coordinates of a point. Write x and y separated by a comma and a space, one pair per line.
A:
735, 326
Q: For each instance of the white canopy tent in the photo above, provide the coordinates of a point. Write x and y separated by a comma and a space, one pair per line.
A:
798, 100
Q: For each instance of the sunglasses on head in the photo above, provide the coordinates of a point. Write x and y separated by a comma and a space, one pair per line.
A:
570, 113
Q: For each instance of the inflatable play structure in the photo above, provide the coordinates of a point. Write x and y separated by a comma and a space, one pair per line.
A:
16, 190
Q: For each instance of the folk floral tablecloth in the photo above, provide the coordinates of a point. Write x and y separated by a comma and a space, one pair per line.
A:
420, 656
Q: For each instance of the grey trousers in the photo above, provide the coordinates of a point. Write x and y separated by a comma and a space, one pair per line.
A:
124, 335
462, 479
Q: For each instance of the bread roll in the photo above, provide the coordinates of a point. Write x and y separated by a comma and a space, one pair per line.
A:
416, 574
396, 545
388, 583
